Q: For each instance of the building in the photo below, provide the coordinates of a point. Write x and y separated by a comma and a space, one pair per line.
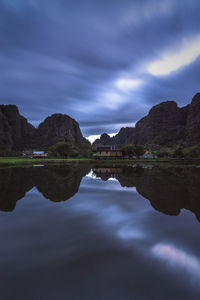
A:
39, 154
107, 152
148, 155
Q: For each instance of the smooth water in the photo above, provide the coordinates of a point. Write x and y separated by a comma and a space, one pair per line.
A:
107, 233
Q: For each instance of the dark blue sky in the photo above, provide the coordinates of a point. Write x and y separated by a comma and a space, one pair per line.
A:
103, 62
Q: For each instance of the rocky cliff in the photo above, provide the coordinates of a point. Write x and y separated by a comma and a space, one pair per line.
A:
15, 131
17, 134
165, 125
55, 127
124, 136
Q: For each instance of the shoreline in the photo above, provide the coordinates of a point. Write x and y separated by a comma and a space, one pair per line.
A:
15, 161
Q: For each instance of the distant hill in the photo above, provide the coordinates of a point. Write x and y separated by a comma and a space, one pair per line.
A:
17, 134
165, 125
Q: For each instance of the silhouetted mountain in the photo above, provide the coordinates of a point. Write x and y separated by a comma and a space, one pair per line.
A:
54, 128
15, 131
17, 134
165, 125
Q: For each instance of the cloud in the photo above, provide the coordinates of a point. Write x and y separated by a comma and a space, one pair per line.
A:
90, 59
172, 61
147, 12
127, 84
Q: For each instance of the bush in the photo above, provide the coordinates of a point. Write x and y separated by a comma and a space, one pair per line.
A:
128, 150
178, 153
162, 154
61, 149
139, 151
193, 152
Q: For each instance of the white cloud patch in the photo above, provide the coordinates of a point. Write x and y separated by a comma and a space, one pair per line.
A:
127, 84
172, 61
112, 100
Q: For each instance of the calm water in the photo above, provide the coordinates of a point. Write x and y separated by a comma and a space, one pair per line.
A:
107, 233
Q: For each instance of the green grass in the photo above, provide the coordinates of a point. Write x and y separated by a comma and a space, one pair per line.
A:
17, 161
44, 161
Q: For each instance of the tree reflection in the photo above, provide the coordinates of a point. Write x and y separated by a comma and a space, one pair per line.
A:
169, 189
54, 183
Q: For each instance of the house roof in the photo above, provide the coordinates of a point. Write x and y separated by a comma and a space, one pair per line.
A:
38, 152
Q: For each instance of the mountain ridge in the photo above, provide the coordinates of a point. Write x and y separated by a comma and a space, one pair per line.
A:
16, 133
166, 124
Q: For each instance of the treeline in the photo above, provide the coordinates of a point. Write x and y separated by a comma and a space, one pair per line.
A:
180, 152
133, 150
67, 148
136, 151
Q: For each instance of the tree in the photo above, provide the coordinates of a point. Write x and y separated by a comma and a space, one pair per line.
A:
178, 153
128, 150
162, 154
139, 150
193, 152
61, 149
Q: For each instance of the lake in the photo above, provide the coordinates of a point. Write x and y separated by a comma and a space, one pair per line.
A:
100, 232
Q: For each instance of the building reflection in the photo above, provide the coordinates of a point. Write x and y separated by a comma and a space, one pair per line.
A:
169, 189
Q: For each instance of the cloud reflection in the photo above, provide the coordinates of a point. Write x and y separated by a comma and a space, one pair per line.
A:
177, 258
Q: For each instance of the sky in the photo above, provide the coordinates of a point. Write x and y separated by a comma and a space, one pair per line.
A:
105, 63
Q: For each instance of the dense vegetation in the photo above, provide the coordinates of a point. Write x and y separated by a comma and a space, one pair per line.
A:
132, 150
67, 148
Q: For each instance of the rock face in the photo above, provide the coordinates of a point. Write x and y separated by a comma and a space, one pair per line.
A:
54, 128
15, 131
193, 121
17, 134
165, 125
105, 139
124, 136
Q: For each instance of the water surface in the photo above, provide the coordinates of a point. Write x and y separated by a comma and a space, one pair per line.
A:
106, 233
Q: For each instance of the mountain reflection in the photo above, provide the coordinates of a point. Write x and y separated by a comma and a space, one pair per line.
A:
54, 183
169, 189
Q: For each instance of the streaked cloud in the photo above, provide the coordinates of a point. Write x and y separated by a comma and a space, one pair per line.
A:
95, 61
187, 53
127, 84
148, 11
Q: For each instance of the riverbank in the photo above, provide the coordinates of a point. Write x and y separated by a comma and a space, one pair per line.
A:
18, 161
13, 161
